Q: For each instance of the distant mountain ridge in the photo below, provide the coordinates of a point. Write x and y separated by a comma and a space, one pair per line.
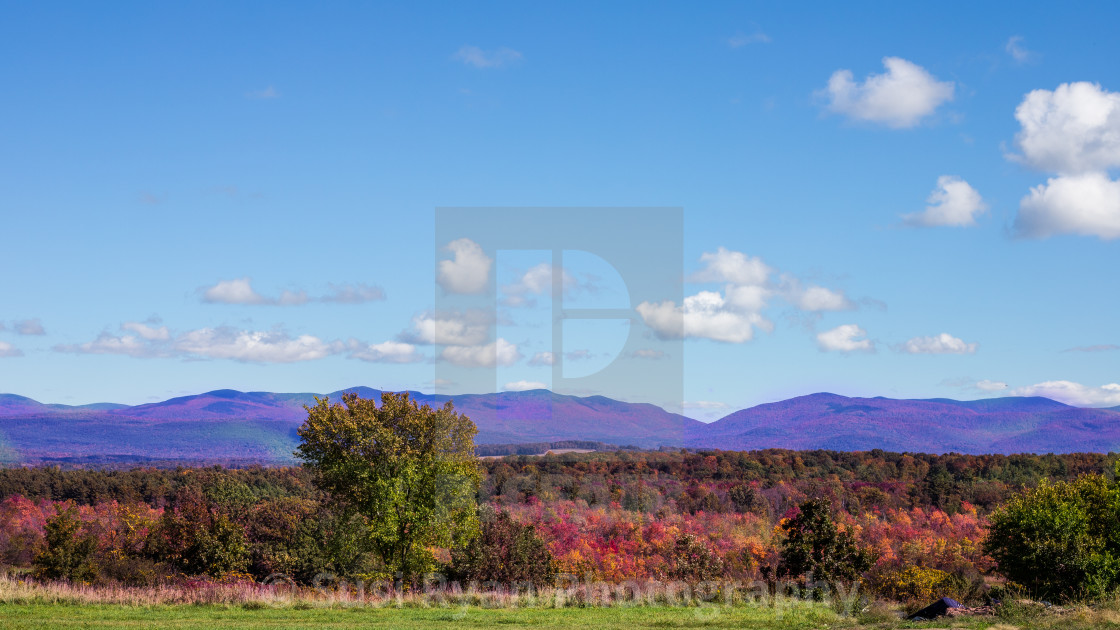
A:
228, 425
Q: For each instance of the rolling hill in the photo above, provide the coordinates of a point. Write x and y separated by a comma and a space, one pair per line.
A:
232, 426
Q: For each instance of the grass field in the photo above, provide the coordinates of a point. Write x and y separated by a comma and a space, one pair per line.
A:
212, 617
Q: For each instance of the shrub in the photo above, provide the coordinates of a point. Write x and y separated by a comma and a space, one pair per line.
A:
69, 552
1060, 541
691, 560
919, 585
507, 552
814, 544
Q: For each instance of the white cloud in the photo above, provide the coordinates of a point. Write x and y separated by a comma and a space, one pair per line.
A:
468, 272
747, 297
953, 203
537, 281
703, 316
815, 299
845, 338
1017, 49
523, 386
542, 358
384, 352
704, 404
468, 328
647, 353
1073, 129
359, 293
146, 332
938, 344
1087, 204
253, 346
724, 265
990, 386
476, 57
207, 343
7, 351
127, 345
898, 98
239, 291
739, 40
500, 352
29, 327
1074, 393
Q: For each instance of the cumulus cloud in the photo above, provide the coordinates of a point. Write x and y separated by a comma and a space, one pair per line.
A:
542, 359
1074, 394
537, 281
241, 291
468, 272
478, 58
29, 327
733, 315
253, 346
147, 332
384, 352
498, 353
938, 344
724, 265
900, 97
146, 340
450, 328
705, 315
845, 338
953, 203
127, 345
523, 386
816, 299
1072, 129
1086, 204
7, 350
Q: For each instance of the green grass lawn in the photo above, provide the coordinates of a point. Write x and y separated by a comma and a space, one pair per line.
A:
217, 617
214, 617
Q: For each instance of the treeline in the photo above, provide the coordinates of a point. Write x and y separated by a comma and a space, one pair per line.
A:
711, 481
540, 448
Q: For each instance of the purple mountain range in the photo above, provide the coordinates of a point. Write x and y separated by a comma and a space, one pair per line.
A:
228, 425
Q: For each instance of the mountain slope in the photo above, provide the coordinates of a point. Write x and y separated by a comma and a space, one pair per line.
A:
228, 425
1002, 425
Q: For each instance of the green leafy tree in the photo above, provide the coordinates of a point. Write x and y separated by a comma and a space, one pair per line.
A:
814, 544
1060, 541
69, 554
409, 471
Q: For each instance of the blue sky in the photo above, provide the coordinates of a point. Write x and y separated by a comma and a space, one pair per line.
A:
152, 155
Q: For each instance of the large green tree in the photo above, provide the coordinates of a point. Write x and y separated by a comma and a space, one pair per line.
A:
408, 470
